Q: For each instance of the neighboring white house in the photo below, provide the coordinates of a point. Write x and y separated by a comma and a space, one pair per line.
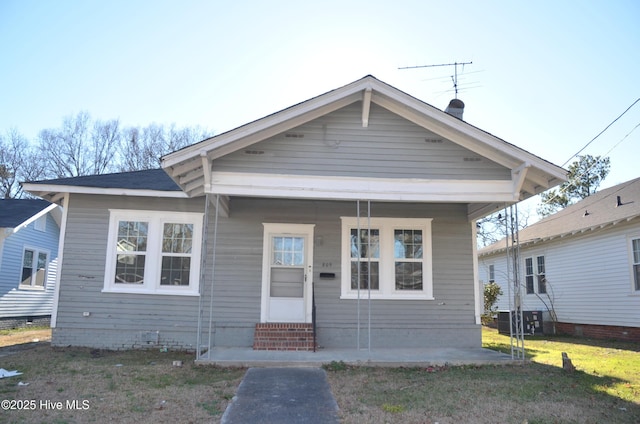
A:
354, 210
29, 235
583, 260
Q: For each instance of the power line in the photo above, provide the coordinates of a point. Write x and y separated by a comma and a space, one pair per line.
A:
561, 190
601, 132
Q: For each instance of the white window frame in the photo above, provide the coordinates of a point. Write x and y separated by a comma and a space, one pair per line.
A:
536, 274
36, 252
153, 261
491, 273
387, 283
634, 287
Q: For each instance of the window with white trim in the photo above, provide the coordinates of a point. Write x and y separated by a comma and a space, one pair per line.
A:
387, 258
34, 268
153, 252
492, 273
535, 272
635, 257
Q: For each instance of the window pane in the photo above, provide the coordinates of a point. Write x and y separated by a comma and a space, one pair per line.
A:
542, 281
492, 273
365, 246
42, 269
408, 275
27, 267
408, 244
540, 264
529, 280
132, 236
636, 275
130, 269
364, 276
175, 271
636, 251
28, 259
26, 276
288, 251
529, 266
177, 238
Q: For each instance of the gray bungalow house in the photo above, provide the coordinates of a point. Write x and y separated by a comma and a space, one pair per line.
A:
346, 220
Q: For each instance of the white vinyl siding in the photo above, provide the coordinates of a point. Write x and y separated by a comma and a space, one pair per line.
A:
153, 252
393, 255
582, 274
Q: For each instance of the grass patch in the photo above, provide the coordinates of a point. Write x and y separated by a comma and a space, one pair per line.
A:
130, 386
609, 367
539, 391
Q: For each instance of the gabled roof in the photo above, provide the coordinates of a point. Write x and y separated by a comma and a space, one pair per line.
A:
16, 213
530, 174
151, 182
599, 211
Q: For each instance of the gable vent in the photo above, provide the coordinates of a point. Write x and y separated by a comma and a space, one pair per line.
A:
294, 135
254, 152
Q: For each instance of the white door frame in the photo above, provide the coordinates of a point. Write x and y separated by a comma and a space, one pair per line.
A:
270, 230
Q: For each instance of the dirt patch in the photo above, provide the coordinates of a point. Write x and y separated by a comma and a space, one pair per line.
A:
21, 337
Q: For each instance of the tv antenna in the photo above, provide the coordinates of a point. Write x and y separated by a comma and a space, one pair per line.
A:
454, 77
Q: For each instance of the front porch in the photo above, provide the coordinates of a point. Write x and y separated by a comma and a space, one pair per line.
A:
391, 357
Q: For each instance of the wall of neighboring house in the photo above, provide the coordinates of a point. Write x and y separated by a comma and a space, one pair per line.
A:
589, 278
118, 321
20, 304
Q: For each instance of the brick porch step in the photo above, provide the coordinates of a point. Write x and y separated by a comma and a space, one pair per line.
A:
283, 336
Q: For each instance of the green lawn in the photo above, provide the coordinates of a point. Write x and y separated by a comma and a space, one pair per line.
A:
609, 367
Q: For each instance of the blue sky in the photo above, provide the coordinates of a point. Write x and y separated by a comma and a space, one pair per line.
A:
546, 75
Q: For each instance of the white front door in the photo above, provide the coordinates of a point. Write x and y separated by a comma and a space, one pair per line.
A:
287, 273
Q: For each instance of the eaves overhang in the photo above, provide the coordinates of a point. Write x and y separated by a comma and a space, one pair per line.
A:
192, 167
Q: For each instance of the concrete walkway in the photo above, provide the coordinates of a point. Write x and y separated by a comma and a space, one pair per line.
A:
247, 357
283, 395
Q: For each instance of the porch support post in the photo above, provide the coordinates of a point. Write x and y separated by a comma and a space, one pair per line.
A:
213, 269
203, 265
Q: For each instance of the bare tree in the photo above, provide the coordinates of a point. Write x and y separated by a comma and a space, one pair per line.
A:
18, 162
141, 148
493, 227
78, 148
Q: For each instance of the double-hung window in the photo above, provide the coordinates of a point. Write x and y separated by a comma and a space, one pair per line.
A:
34, 268
534, 271
153, 252
635, 266
386, 258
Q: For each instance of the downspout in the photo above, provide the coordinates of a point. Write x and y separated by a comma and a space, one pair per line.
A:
63, 233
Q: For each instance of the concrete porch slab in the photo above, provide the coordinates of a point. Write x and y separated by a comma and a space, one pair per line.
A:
247, 357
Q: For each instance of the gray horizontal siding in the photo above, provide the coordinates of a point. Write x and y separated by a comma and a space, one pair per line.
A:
120, 320
116, 320
338, 145
238, 271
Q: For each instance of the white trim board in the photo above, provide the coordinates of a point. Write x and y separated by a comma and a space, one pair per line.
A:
349, 188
